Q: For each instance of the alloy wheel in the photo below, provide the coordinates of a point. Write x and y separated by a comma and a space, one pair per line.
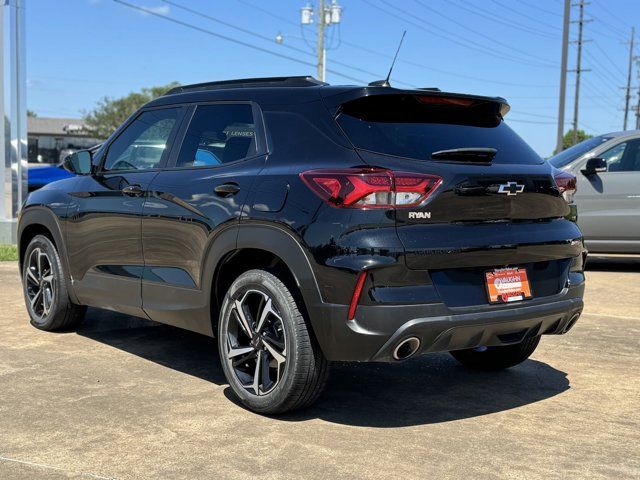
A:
40, 283
256, 346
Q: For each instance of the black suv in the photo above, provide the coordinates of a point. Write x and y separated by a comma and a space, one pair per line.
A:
303, 223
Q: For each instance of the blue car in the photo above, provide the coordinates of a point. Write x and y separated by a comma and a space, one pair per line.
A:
40, 175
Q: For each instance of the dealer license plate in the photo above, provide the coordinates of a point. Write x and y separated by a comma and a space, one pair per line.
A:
506, 285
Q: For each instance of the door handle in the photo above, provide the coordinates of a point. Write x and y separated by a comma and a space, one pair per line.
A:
227, 189
133, 190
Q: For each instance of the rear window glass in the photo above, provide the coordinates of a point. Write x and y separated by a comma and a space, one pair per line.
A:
416, 126
567, 156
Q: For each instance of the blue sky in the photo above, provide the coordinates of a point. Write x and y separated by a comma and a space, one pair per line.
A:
81, 50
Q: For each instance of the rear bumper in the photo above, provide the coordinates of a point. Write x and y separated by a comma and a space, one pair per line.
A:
377, 330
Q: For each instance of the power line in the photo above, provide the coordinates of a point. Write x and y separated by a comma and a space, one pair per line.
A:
446, 72
505, 22
520, 120
454, 38
610, 80
606, 55
587, 127
554, 97
235, 27
611, 28
480, 34
536, 7
539, 115
613, 15
269, 39
405, 61
616, 37
597, 97
232, 40
269, 13
78, 80
546, 25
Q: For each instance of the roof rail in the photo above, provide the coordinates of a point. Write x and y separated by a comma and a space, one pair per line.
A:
301, 81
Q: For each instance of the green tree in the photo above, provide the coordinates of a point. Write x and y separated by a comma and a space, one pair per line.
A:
567, 140
31, 113
109, 113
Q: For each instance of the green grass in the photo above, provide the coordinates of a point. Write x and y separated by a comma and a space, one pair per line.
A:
8, 253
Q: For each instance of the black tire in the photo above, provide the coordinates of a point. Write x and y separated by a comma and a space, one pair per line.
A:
51, 309
282, 334
497, 358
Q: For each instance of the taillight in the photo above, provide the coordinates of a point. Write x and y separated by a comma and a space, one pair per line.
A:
567, 185
370, 187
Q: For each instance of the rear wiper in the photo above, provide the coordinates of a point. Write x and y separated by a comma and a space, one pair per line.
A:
473, 154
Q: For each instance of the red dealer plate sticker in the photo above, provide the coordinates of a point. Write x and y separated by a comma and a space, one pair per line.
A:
507, 285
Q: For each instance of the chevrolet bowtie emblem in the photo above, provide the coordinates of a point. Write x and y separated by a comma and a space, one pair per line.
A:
511, 188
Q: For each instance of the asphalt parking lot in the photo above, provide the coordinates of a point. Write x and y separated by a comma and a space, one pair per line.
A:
124, 398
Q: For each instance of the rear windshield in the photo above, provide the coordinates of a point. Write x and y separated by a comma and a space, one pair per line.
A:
415, 126
567, 156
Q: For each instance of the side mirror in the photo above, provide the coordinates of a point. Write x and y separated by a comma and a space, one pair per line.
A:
595, 165
78, 163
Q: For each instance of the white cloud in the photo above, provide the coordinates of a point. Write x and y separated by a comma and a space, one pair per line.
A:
160, 9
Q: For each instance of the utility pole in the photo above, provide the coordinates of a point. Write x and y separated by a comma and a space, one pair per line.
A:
563, 75
581, 21
325, 16
638, 105
628, 95
322, 53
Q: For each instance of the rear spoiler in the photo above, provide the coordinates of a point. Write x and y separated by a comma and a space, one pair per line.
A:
334, 100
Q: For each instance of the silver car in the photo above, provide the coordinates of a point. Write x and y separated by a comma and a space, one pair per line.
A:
608, 197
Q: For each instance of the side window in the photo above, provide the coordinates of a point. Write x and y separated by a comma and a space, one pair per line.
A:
142, 144
613, 157
218, 134
631, 159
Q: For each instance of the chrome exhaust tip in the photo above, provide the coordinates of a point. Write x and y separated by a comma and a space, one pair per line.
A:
571, 322
406, 348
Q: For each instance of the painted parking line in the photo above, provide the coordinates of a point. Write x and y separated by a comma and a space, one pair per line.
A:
51, 467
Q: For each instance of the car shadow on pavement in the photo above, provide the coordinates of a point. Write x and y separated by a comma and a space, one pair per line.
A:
428, 389
171, 347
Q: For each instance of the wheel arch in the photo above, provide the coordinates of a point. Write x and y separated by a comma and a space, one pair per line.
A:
39, 220
263, 247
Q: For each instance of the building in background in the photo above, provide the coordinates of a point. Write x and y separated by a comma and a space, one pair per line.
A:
52, 139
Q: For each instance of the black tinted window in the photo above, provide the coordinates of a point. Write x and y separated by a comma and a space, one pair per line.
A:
218, 134
624, 157
416, 126
142, 144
